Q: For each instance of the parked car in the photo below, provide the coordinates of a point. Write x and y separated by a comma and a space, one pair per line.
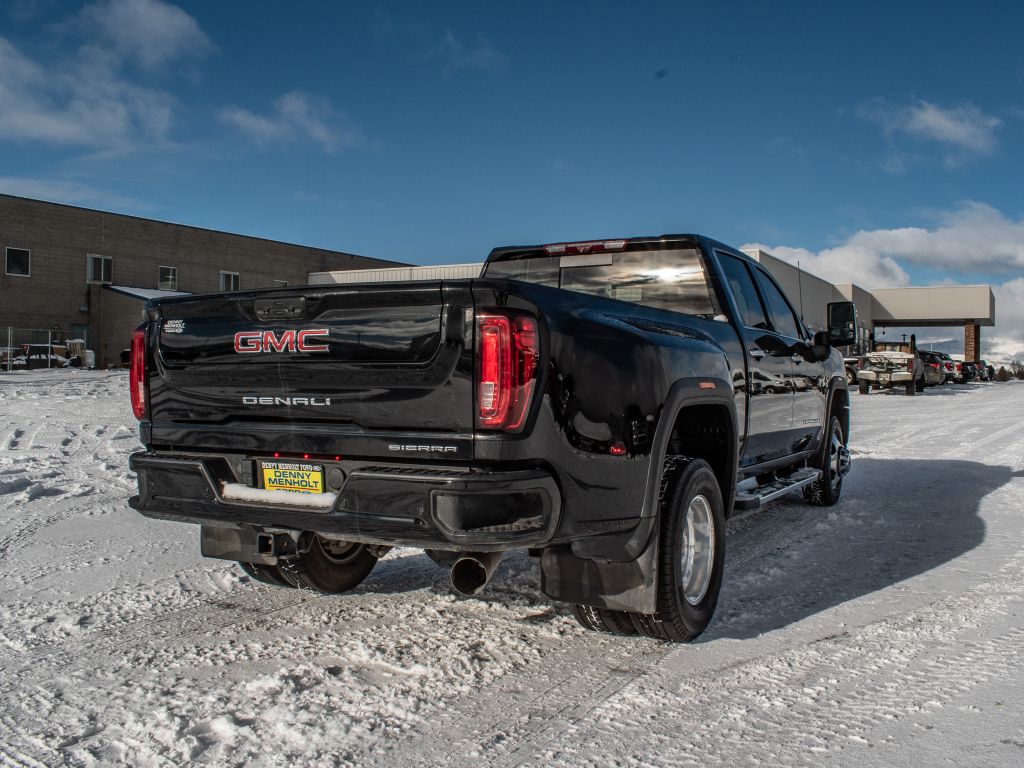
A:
969, 371
34, 356
949, 369
934, 368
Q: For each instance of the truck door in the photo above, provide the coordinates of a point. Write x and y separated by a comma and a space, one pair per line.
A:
808, 376
769, 369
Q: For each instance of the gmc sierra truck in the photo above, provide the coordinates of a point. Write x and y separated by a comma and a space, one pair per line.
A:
604, 405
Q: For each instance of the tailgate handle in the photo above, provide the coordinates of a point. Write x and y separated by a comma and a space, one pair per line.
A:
287, 308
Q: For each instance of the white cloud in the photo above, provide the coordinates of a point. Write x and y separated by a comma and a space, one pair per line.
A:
150, 32
70, 192
86, 98
84, 104
973, 237
1007, 338
843, 264
296, 116
456, 55
964, 130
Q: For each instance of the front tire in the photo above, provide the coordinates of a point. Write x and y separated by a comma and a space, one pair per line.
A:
330, 566
691, 554
826, 491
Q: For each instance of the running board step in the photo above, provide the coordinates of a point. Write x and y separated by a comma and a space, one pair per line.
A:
762, 494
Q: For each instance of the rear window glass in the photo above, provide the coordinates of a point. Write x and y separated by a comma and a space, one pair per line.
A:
666, 279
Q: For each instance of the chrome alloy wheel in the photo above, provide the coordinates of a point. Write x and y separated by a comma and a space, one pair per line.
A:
838, 458
698, 550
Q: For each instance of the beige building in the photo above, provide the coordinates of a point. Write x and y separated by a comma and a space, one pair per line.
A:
61, 262
939, 306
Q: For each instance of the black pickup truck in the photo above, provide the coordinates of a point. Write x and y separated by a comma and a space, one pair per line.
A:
604, 405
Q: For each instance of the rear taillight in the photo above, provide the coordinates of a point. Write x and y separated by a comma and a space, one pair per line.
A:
910, 365
137, 376
506, 370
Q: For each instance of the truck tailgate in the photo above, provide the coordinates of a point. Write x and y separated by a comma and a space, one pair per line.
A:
317, 368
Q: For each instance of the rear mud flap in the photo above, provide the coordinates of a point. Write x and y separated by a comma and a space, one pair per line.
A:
629, 586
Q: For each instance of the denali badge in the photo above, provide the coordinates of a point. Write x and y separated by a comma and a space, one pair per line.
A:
249, 342
174, 326
424, 448
320, 402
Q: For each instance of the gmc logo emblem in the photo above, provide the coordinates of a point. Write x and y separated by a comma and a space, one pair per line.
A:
250, 342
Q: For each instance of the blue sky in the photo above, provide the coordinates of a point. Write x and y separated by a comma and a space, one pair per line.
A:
879, 142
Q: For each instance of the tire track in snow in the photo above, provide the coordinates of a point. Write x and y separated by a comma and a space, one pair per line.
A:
196, 617
814, 699
541, 701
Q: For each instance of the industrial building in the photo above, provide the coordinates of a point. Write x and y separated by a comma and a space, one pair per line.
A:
73, 272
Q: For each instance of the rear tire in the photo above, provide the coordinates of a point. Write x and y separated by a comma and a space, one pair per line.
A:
266, 574
826, 491
603, 620
911, 388
919, 385
691, 554
330, 566
865, 388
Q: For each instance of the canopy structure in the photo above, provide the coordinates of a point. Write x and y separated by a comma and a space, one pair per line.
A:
935, 306
143, 294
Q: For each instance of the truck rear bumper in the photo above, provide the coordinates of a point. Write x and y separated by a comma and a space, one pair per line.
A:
454, 509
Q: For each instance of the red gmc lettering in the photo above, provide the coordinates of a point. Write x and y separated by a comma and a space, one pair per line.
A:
305, 346
249, 342
273, 344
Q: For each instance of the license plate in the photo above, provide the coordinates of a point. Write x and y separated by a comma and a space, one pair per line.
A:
884, 378
292, 476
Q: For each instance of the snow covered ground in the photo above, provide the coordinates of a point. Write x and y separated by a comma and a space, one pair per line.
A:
885, 631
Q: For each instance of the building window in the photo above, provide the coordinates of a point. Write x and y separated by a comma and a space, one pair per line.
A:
19, 262
168, 280
280, 283
99, 269
228, 281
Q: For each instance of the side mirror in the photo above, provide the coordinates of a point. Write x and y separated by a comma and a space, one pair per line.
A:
842, 323
820, 348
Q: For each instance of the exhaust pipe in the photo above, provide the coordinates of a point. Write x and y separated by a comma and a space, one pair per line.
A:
471, 572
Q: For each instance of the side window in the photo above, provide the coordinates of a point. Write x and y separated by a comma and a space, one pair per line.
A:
19, 262
99, 269
168, 279
742, 287
228, 281
781, 314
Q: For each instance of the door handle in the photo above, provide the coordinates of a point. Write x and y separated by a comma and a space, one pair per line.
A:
756, 353
796, 358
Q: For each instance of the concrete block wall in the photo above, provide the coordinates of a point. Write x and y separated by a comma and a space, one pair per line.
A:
60, 238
